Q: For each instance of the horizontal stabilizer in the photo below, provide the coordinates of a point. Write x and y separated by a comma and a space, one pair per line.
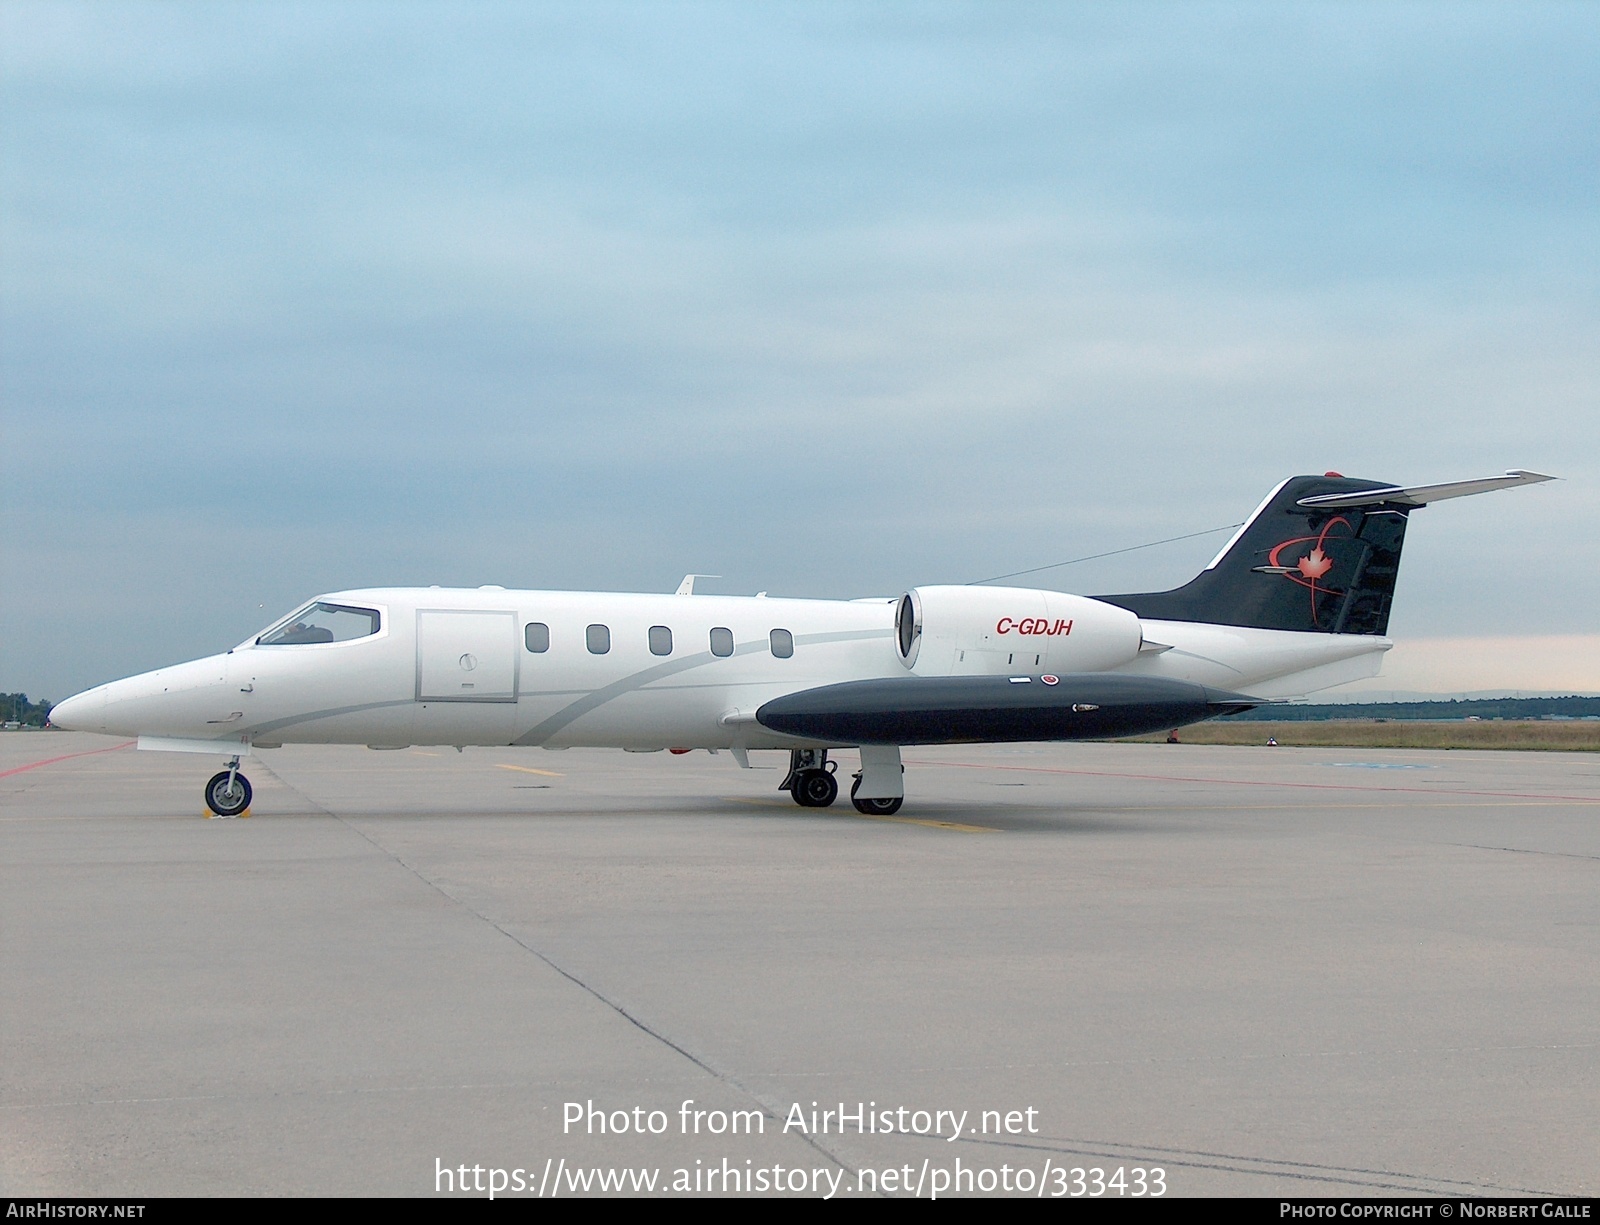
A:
991, 709
1421, 495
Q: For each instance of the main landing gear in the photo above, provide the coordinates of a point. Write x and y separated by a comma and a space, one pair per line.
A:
810, 779
875, 808
228, 793
812, 784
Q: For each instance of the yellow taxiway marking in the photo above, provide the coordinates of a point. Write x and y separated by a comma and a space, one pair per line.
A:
1408, 807
530, 770
955, 826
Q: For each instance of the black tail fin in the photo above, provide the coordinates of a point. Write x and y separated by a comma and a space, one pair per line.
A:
1329, 569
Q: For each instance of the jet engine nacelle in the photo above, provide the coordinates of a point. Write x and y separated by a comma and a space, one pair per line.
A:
959, 631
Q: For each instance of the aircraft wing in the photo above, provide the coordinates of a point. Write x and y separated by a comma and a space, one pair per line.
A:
992, 709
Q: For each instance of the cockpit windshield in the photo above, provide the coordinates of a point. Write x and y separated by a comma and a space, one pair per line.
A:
322, 622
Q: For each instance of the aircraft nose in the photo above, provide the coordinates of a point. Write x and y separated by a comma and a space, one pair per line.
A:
82, 712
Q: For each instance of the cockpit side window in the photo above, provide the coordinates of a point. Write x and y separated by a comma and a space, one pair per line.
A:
323, 623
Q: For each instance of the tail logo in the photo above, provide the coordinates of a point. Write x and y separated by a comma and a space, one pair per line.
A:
1314, 563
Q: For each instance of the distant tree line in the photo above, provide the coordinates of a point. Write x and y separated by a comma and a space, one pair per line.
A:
1467, 708
15, 708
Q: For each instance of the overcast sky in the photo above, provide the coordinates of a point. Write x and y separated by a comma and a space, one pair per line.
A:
827, 299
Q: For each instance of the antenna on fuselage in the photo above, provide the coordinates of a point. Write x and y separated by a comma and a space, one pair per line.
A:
687, 586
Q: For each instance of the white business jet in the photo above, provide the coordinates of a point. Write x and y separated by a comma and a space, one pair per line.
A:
1297, 601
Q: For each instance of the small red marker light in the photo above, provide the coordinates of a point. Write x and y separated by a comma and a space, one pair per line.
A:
1340, 475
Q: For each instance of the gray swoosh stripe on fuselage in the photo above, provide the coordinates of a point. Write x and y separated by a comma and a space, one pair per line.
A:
591, 699
807, 640
542, 731
276, 725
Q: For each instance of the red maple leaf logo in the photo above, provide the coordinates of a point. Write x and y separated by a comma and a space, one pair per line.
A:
1315, 564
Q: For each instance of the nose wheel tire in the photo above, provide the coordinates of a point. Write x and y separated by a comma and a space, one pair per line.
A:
815, 789
874, 808
228, 793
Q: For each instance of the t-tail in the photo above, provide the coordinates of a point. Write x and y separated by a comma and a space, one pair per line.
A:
1321, 554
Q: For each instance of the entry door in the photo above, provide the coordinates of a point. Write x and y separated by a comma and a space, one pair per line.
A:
466, 656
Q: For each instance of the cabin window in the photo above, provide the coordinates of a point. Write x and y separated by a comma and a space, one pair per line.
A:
722, 641
782, 643
322, 623
660, 640
537, 635
599, 639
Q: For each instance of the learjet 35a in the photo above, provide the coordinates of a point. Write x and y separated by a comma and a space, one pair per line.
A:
1297, 601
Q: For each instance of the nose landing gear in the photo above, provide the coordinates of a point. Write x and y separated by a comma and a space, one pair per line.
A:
228, 793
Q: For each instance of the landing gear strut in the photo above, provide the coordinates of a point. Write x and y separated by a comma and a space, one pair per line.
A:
228, 793
810, 779
879, 790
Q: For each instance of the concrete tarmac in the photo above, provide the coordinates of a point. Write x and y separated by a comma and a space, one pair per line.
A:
1261, 971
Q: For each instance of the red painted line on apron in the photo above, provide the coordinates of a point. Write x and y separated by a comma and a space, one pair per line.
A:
50, 761
1253, 782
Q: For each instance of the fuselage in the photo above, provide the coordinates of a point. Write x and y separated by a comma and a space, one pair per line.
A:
391, 667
